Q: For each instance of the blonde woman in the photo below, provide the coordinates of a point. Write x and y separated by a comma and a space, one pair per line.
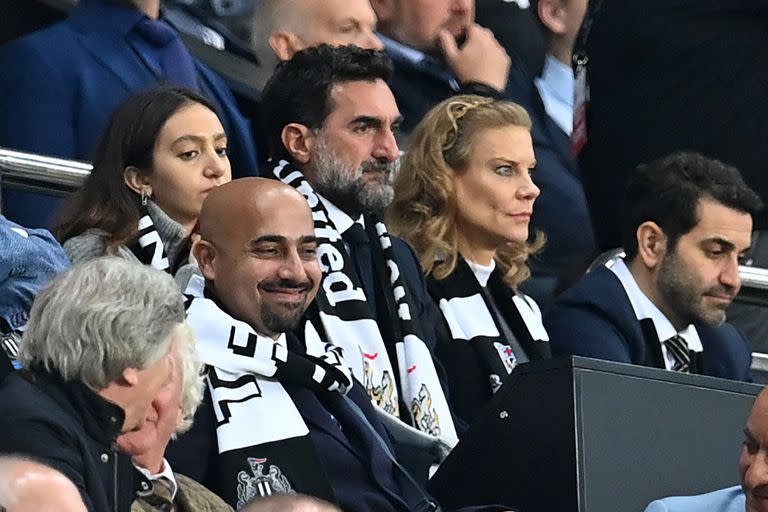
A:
464, 199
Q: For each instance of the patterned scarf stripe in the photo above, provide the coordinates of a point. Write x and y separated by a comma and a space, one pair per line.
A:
149, 247
349, 322
470, 318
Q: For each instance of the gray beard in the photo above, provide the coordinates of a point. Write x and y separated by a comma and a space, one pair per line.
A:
346, 187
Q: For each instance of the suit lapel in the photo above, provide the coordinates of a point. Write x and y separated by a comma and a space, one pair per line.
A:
652, 346
316, 416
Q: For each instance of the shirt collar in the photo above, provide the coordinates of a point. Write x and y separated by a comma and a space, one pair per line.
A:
644, 308
419, 59
482, 272
341, 221
558, 78
408, 53
166, 473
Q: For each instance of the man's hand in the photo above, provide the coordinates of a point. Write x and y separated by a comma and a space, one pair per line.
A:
480, 59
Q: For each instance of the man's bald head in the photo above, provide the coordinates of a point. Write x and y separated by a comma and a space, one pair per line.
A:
283, 27
292, 503
258, 252
28, 486
235, 206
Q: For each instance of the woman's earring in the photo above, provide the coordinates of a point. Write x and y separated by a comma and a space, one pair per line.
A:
143, 198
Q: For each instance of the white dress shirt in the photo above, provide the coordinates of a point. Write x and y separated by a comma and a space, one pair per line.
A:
556, 88
166, 473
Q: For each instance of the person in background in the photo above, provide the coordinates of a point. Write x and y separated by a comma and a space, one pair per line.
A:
464, 199
439, 51
161, 154
283, 27
61, 85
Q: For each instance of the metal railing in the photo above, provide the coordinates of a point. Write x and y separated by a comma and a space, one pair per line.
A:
30, 171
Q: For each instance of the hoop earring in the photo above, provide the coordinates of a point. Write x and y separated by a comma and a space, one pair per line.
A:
144, 198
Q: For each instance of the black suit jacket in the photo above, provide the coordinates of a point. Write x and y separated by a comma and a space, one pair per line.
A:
595, 319
518, 30
670, 75
561, 212
70, 428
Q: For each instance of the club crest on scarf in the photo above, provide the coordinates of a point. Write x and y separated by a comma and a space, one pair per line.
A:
383, 393
261, 482
507, 355
424, 415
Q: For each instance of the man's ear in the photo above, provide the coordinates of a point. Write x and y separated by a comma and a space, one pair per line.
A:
131, 376
651, 244
552, 16
298, 140
137, 181
204, 253
285, 44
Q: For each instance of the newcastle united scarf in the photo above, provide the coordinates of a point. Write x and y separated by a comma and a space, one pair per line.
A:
263, 442
346, 318
159, 237
474, 316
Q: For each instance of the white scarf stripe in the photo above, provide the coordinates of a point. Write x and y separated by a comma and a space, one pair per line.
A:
349, 323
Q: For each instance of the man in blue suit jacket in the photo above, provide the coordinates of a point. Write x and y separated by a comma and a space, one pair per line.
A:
60, 85
689, 221
725, 500
752, 495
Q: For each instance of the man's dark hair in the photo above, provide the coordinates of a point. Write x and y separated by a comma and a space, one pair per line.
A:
667, 192
300, 89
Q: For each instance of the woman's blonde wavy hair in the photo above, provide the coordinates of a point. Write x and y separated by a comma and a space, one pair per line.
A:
424, 208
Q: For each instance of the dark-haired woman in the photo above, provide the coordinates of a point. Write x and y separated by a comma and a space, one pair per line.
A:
162, 152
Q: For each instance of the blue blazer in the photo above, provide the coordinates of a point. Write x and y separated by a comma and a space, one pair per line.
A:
60, 85
595, 319
725, 500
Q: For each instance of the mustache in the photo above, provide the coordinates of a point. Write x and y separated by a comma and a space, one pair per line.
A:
286, 284
380, 166
722, 290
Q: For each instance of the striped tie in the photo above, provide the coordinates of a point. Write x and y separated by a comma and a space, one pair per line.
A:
679, 348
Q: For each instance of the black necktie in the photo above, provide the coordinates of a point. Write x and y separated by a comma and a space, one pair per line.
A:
360, 250
177, 64
679, 348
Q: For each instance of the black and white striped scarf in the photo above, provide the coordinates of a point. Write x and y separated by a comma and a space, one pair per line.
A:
263, 442
345, 317
472, 319
149, 247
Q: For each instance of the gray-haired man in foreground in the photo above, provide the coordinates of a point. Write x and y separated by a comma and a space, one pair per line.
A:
95, 353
